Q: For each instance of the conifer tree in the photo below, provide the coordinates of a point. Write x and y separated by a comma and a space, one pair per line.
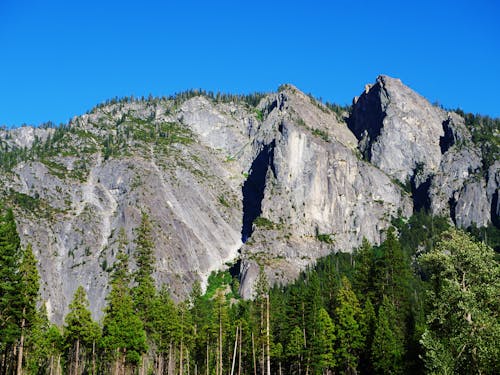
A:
123, 337
363, 270
10, 293
144, 289
324, 340
387, 348
348, 330
29, 287
295, 349
80, 332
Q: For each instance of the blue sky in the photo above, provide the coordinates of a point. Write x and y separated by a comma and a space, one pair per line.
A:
60, 58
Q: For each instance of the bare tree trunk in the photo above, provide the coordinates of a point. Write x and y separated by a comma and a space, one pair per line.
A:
170, 372
21, 345
181, 360
93, 357
77, 356
234, 351
239, 355
208, 358
51, 365
220, 340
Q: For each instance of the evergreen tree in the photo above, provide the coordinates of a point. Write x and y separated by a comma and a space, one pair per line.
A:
324, 359
10, 292
124, 338
30, 285
463, 332
144, 289
80, 332
44, 344
368, 325
363, 270
387, 347
348, 328
295, 349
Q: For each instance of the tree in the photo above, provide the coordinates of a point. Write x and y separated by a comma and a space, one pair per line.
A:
387, 347
347, 319
367, 326
324, 352
80, 331
464, 300
363, 270
144, 289
44, 344
30, 285
123, 336
10, 279
295, 347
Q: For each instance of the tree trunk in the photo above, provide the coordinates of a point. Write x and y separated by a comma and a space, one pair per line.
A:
253, 354
77, 355
21, 345
181, 360
93, 357
220, 340
268, 334
234, 351
170, 372
208, 358
239, 355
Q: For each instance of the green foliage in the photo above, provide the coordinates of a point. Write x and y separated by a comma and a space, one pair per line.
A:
144, 290
78, 323
464, 300
387, 347
325, 237
217, 280
348, 320
485, 134
123, 332
322, 134
263, 222
11, 299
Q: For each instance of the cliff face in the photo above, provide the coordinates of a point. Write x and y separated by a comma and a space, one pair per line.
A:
275, 184
426, 148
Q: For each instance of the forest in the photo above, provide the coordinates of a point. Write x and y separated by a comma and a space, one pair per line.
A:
426, 300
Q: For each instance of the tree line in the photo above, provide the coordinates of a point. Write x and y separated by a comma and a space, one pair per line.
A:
426, 300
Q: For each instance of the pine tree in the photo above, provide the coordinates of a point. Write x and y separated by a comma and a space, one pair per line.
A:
295, 348
324, 351
10, 293
80, 331
144, 289
44, 343
367, 326
124, 338
30, 285
387, 347
363, 270
348, 330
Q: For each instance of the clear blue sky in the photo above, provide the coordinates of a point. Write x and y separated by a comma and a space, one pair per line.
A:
60, 58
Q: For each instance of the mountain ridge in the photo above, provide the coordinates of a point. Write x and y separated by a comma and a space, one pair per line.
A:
273, 180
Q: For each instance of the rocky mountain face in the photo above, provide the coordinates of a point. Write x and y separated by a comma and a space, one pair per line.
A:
271, 182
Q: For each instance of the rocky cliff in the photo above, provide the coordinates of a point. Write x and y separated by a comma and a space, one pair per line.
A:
272, 181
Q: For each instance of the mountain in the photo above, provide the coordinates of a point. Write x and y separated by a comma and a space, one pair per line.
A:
273, 181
